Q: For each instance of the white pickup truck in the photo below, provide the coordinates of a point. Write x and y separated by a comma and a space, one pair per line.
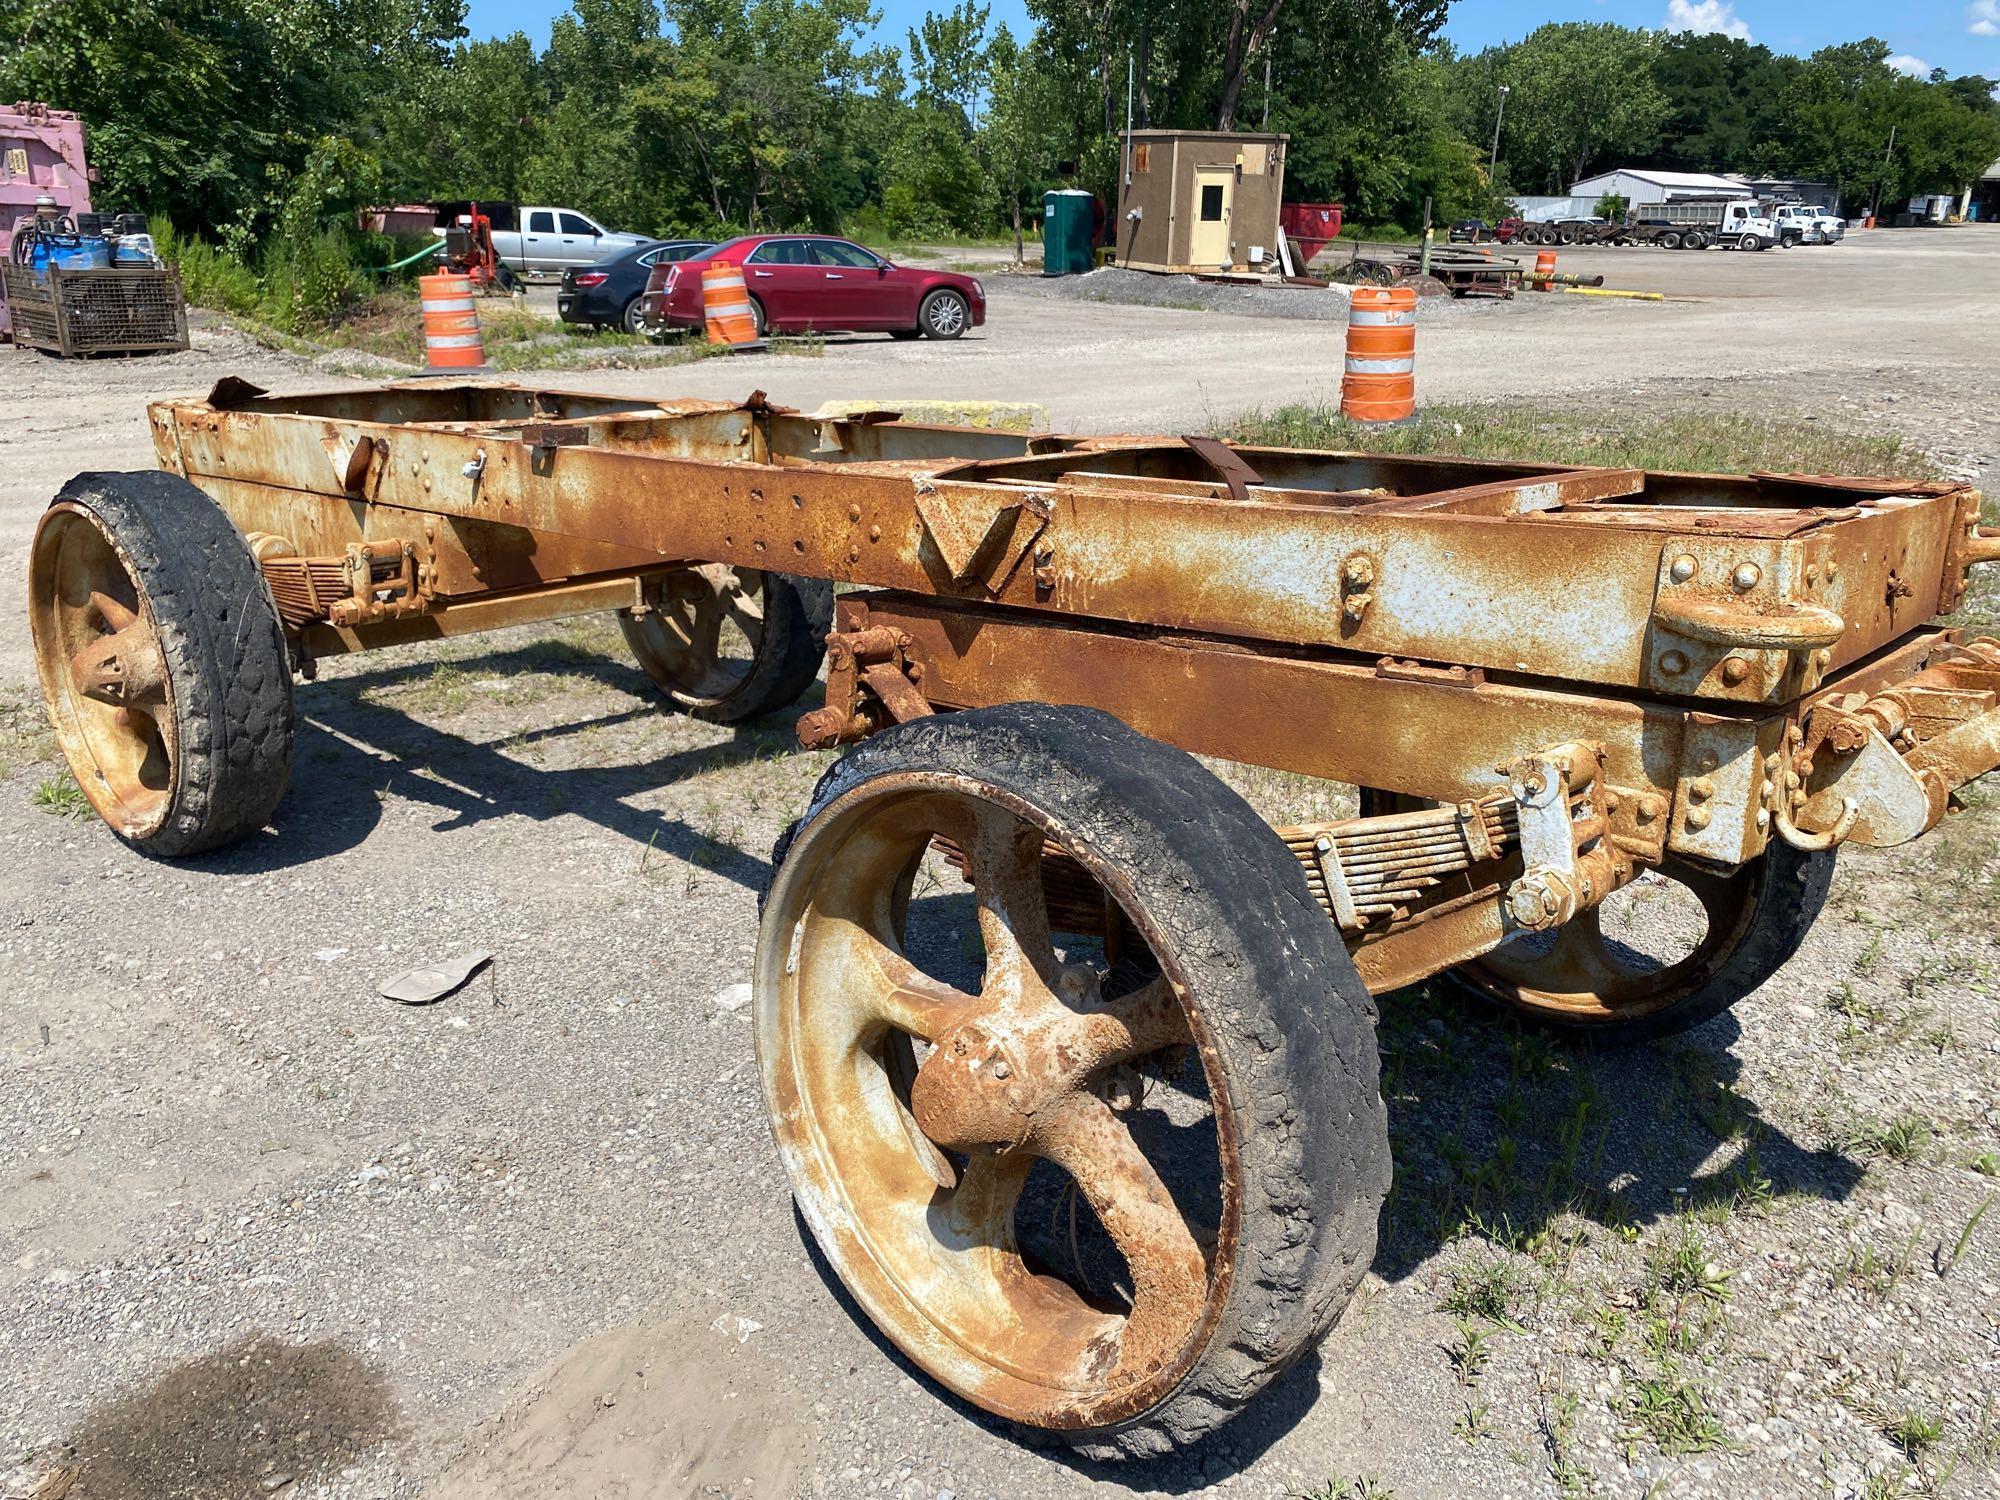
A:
1807, 224
536, 241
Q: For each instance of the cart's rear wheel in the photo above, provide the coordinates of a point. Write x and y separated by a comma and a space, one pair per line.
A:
1674, 949
728, 644
162, 661
1107, 1201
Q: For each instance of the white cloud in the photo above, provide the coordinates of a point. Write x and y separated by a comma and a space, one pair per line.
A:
1720, 15
1982, 17
1916, 67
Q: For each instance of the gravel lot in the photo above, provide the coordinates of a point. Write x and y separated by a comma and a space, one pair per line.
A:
262, 1232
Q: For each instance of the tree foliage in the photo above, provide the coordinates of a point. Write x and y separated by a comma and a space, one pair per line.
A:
266, 120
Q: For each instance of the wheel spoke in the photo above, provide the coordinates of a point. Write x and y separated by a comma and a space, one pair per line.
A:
1108, 1032
113, 612
882, 983
1169, 1273
1004, 859
980, 1210
705, 626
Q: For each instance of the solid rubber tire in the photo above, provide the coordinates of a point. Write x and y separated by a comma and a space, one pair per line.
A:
1287, 1012
228, 667
798, 613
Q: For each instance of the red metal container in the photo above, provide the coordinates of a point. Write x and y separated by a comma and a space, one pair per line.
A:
1311, 227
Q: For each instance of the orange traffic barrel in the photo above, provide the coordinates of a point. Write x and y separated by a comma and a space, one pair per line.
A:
726, 310
1545, 267
1381, 380
451, 322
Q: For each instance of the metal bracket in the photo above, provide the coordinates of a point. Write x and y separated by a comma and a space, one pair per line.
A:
978, 533
870, 683
1567, 862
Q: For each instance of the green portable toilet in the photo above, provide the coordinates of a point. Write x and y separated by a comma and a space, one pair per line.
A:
1066, 231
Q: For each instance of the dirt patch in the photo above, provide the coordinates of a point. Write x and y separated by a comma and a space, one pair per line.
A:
649, 1410
247, 1421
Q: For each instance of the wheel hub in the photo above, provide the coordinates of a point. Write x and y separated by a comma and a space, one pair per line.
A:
973, 1094
125, 668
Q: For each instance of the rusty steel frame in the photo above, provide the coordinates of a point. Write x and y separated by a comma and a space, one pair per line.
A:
1717, 660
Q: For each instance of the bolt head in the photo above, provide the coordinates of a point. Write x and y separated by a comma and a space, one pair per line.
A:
1698, 818
1745, 577
1763, 818
1673, 663
1734, 670
1682, 569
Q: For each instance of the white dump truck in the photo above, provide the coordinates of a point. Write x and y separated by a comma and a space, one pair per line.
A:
1698, 223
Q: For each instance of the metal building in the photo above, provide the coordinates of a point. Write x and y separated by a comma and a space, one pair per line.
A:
1637, 185
1199, 200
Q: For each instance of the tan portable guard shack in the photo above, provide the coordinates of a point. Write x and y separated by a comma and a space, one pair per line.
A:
1199, 200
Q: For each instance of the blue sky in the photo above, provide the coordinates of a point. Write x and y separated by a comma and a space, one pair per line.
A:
1961, 35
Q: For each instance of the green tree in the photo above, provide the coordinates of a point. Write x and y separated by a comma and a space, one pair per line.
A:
1724, 111
1019, 137
934, 184
1581, 94
948, 60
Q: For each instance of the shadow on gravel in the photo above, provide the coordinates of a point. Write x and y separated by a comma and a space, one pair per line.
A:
228, 1425
351, 753
1506, 1133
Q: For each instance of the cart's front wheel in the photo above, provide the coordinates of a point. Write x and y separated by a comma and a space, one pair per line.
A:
1674, 949
728, 644
1104, 1189
162, 661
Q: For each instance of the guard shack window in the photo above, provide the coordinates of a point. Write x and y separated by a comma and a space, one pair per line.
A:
1211, 202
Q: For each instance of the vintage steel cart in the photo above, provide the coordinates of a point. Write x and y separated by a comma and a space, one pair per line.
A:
1108, 1153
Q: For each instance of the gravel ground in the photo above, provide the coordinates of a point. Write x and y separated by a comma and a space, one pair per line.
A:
262, 1232
1115, 285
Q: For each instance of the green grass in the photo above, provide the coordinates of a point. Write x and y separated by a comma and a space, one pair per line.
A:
60, 797
1673, 1413
1728, 442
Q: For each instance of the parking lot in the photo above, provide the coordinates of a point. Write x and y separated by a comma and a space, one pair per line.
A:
534, 1241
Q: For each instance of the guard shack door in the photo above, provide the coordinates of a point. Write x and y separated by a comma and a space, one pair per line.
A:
1213, 189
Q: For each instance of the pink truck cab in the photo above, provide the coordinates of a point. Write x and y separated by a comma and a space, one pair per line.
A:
41, 155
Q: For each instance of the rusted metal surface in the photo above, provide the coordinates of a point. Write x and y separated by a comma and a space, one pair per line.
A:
102, 669
870, 684
1415, 625
913, 1188
1542, 588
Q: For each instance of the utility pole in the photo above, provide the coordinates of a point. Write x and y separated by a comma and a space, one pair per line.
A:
1493, 157
1875, 194
1266, 125
1128, 117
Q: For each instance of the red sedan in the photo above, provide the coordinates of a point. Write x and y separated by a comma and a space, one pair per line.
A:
815, 283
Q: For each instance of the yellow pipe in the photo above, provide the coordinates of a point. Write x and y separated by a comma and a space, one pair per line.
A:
1605, 291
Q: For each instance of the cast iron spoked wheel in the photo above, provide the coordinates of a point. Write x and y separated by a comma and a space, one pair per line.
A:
162, 661
1106, 1201
944, 315
1618, 974
728, 644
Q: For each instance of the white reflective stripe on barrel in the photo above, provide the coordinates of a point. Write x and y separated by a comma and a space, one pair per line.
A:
451, 340
448, 304
1362, 318
717, 309
1403, 366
